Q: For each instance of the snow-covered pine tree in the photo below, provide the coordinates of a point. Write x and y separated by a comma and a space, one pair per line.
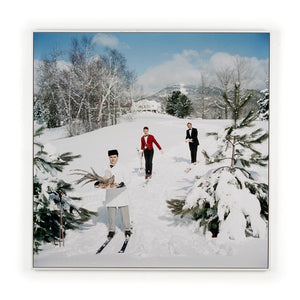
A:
51, 199
264, 105
172, 103
179, 105
228, 200
184, 106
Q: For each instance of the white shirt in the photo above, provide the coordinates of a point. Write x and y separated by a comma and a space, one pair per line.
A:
146, 138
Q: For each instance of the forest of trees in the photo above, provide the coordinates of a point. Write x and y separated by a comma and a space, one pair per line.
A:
88, 92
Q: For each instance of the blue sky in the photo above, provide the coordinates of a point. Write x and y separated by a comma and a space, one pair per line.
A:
146, 52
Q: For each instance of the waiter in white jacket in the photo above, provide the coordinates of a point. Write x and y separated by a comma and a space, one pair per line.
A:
117, 196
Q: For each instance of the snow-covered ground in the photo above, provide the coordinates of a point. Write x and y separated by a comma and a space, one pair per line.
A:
160, 240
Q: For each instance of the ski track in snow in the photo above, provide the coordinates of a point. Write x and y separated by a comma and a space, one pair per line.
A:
157, 234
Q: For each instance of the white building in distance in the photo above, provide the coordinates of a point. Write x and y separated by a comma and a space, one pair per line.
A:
146, 105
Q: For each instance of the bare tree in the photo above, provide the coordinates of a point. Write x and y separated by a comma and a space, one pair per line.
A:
134, 92
243, 71
114, 83
225, 76
204, 82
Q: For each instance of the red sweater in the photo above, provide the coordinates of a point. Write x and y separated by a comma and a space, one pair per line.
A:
150, 140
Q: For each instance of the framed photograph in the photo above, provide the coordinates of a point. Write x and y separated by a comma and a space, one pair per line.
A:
151, 150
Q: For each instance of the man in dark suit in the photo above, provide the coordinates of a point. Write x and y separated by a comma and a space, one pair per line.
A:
192, 139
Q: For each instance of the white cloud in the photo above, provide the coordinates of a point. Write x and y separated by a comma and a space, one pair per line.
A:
180, 69
221, 60
186, 68
106, 40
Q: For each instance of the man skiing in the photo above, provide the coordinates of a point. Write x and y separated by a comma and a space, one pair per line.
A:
147, 141
192, 139
116, 196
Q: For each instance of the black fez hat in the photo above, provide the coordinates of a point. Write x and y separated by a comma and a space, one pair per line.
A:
113, 152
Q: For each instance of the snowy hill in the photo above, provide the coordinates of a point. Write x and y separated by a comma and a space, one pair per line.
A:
159, 238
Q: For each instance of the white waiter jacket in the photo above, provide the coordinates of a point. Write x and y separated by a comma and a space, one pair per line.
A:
116, 197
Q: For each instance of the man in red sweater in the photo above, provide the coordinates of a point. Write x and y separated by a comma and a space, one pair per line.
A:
147, 141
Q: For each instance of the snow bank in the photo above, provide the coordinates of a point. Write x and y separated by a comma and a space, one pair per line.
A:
197, 196
159, 239
234, 206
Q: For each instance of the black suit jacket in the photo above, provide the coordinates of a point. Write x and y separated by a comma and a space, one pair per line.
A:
193, 136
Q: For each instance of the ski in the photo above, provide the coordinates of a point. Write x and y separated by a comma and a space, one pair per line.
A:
123, 248
146, 182
187, 170
104, 245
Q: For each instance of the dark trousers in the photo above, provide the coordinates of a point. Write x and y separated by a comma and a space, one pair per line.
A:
193, 149
148, 160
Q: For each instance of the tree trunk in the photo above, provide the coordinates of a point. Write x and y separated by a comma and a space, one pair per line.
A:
203, 107
232, 156
226, 111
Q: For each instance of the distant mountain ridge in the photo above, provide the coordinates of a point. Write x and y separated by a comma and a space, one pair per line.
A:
213, 100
